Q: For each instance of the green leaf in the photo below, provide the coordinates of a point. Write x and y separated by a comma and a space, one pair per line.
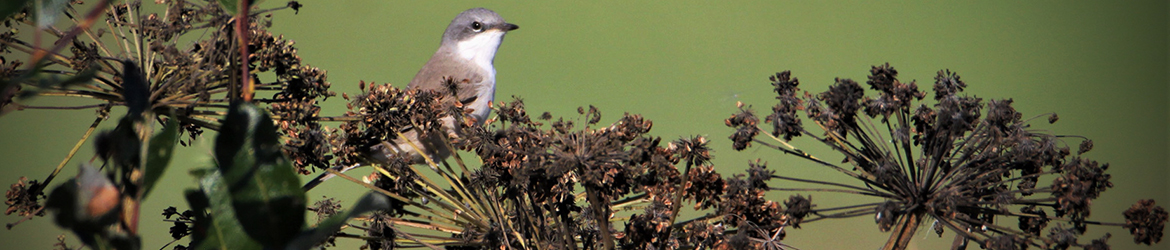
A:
158, 156
11, 7
233, 6
121, 145
216, 226
309, 238
265, 189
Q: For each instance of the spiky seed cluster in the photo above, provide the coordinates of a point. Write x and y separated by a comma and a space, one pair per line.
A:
744, 123
705, 187
783, 118
23, 197
184, 81
380, 113
650, 228
745, 205
1146, 221
617, 165
946, 161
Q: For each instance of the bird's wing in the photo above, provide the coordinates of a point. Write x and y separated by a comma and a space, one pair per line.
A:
468, 79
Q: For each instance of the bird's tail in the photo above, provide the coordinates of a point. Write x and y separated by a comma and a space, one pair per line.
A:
326, 175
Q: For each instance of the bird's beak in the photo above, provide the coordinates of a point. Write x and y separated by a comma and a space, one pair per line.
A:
510, 27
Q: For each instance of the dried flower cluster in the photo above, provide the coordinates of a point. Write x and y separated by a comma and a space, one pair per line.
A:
1146, 222
189, 69
570, 184
379, 114
187, 83
560, 185
960, 162
21, 201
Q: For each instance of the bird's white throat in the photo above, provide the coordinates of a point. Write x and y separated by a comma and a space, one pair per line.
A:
481, 49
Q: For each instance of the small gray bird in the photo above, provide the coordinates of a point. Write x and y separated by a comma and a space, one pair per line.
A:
465, 54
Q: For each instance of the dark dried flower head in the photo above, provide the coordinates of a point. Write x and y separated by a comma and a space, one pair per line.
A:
594, 115
379, 232
844, 98
1003, 117
1062, 238
923, 121
940, 161
882, 78
382, 112
693, 150
24, 197
1099, 244
406, 185
759, 174
744, 206
947, 83
596, 157
783, 118
183, 223
1005, 242
702, 235
705, 186
1033, 225
84, 56
1086, 145
655, 163
824, 117
1146, 222
893, 94
325, 208
631, 126
306, 142
886, 214
741, 240
798, 207
744, 123
649, 229
514, 112
1083, 181
180, 230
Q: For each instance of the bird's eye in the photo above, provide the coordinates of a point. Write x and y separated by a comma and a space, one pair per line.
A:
476, 26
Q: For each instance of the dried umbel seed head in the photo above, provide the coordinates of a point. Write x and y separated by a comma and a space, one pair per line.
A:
744, 123
23, 197
943, 159
1146, 222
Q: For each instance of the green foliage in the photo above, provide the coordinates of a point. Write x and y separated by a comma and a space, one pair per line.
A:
218, 228
265, 190
8, 8
158, 156
100, 207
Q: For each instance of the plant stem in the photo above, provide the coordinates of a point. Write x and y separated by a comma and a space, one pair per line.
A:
601, 216
904, 231
73, 151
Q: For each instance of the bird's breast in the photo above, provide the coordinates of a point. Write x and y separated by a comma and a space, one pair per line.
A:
481, 50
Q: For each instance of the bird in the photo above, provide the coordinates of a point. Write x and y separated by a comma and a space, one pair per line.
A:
465, 55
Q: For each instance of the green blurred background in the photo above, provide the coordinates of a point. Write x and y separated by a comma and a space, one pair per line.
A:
1101, 66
